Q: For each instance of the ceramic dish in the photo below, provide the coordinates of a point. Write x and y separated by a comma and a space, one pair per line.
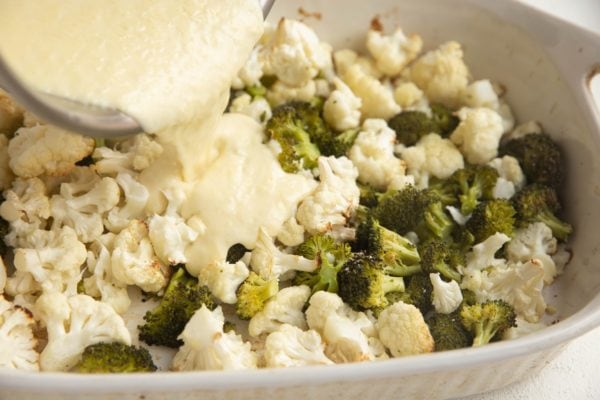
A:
546, 65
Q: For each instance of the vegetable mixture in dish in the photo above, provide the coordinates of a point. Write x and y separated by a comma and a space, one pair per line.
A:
375, 205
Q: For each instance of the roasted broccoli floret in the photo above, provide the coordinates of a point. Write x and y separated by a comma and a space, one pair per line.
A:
398, 254
330, 256
235, 253
413, 210
253, 293
298, 128
490, 217
363, 283
539, 157
448, 332
439, 256
115, 357
474, 183
340, 144
487, 320
410, 126
445, 189
539, 203
183, 296
418, 292
443, 119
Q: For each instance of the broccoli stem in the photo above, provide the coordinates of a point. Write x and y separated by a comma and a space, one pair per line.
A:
561, 230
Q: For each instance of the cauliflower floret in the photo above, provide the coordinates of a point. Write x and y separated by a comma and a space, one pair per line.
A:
82, 203
270, 262
207, 347
136, 196
291, 233
133, 259
258, 109
349, 335
478, 134
283, 308
523, 328
403, 330
447, 296
535, 241
342, 108
295, 54
55, 260
251, 72
45, 149
6, 175
441, 74
509, 170
377, 99
281, 93
432, 156
26, 207
482, 255
223, 279
170, 234
24, 289
332, 204
410, 97
135, 154
11, 114
561, 258
392, 53
481, 94
519, 284
373, 155
17, 343
290, 346
73, 323
346, 58
102, 284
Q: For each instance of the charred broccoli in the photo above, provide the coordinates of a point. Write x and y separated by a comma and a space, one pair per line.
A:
490, 217
298, 128
413, 210
363, 283
253, 293
183, 296
114, 358
438, 256
448, 332
539, 157
487, 320
330, 256
410, 126
539, 203
397, 253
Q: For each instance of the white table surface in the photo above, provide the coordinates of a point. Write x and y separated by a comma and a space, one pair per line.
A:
574, 374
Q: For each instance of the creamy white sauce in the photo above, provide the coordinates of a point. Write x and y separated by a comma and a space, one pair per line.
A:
170, 65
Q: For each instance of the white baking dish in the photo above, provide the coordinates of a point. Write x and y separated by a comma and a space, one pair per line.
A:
546, 65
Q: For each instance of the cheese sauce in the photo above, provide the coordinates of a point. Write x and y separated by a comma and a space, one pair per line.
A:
169, 64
